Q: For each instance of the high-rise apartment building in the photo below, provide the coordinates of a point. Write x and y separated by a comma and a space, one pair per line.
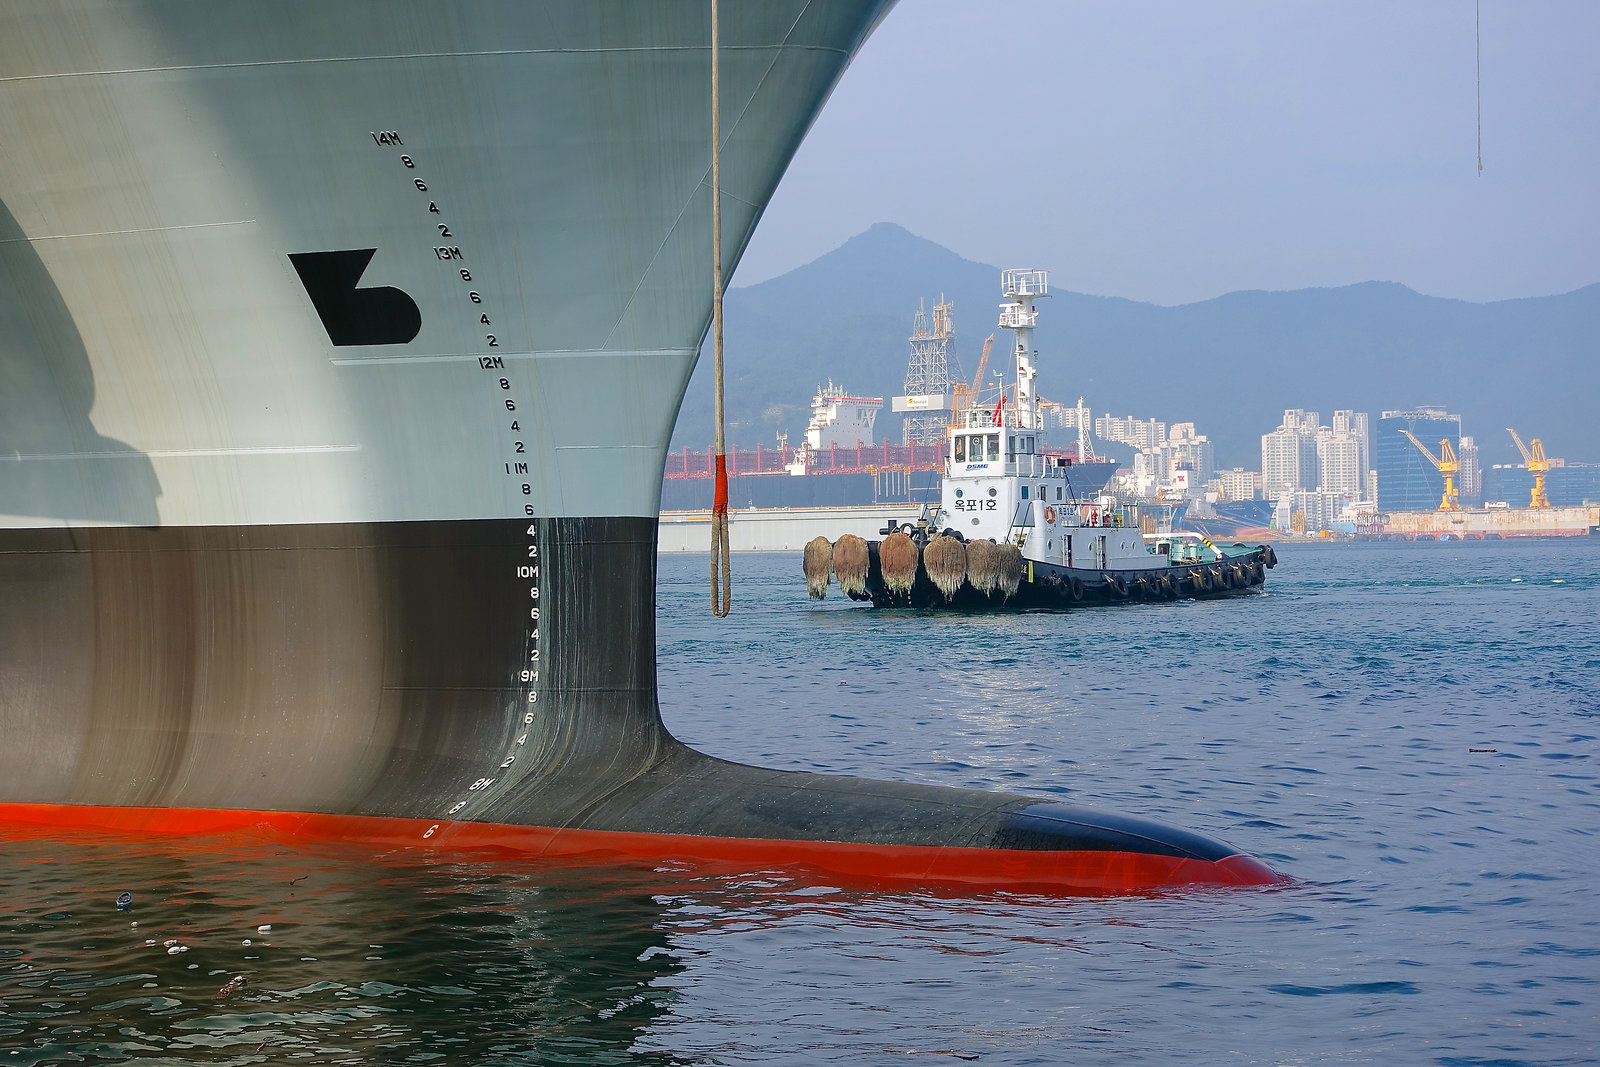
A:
1406, 480
1339, 461
1239, 484
1470, 480
1140, 433
1187, 450
1289, 454
1354, 424
1062, 417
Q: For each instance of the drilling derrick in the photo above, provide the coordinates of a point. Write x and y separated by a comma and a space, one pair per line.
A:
927, 397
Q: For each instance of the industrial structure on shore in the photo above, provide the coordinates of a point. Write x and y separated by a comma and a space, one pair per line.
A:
1497, 520
839, 464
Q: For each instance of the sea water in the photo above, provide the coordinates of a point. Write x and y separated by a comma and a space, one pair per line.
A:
1408, 731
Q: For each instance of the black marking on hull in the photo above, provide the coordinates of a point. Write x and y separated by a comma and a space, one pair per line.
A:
380, 315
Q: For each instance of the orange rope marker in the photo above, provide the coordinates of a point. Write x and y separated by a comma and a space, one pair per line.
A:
721, 592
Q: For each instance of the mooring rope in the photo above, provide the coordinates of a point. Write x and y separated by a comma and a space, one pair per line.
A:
721, 592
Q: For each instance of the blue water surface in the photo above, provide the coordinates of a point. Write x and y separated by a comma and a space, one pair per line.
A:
1407, 730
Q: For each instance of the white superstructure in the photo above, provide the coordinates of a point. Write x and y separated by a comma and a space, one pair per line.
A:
841, 420
1002, 485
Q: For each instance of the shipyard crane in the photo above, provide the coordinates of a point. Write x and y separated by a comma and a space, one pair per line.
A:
966, 394
1538, 466
1446, 464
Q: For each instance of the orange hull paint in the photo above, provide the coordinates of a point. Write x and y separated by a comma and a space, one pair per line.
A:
1082, 872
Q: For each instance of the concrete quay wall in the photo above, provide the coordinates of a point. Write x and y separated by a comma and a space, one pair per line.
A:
1493, 522
779, 529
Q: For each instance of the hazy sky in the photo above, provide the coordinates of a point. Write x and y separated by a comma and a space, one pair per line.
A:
1174, 151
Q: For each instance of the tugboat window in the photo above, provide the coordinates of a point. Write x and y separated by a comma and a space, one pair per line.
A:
994, 447
1024, 492
961, 448
991, 491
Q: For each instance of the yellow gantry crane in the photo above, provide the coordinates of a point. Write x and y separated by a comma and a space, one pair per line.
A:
1446, 463
1538, 466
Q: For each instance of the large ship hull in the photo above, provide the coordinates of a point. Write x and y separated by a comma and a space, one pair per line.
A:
339, 350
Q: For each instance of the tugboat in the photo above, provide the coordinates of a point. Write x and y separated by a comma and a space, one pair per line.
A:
1010, 531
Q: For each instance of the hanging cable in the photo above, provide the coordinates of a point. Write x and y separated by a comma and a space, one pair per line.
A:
1477, 29
721, 591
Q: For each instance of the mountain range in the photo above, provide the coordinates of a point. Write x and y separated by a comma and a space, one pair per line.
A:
1231, 364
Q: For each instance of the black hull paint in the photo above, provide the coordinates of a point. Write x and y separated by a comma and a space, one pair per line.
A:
390, 670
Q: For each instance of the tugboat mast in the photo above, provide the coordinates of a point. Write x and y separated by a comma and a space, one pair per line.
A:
1017, 313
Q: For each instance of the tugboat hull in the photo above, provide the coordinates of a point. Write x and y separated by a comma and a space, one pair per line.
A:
1051, 587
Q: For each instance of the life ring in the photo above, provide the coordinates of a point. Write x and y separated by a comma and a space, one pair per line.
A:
1050, 514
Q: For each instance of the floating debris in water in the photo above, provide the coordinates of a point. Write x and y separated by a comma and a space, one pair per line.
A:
175, 949
125, 901
232, 986
264, 928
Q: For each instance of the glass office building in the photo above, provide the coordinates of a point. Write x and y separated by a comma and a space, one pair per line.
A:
1406, 480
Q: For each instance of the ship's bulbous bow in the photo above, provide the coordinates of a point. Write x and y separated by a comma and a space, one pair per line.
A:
338, 364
